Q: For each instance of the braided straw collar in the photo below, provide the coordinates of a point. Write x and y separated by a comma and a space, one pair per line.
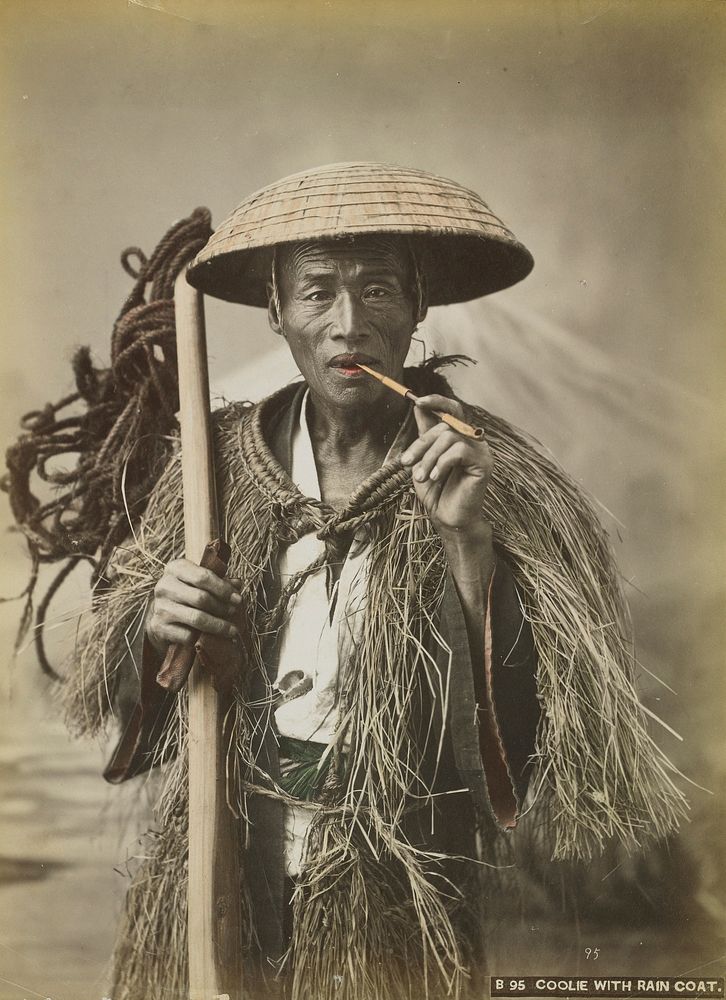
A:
464, 250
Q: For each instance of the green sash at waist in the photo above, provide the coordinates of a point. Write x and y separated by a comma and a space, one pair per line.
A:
301, 774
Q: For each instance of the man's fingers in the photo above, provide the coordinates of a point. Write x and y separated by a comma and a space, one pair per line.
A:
434, 489
443, 403
456, 455
189, 600
431, 455
174, 590
426, 407
204, 579
425, 454
170, 613
176, 635
418, 448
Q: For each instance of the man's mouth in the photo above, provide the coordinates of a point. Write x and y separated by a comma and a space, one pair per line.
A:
347, 364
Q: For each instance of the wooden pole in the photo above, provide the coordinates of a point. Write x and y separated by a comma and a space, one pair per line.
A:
213, 888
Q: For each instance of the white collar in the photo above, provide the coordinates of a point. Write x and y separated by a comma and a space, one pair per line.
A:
304, 472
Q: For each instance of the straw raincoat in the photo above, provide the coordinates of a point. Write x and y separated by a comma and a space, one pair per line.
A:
394, 892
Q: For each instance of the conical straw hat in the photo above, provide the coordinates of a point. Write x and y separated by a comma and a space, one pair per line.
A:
465, 251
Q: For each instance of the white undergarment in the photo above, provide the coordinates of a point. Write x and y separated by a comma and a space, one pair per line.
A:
314, 642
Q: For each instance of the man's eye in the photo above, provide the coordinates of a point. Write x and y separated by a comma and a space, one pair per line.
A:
317, 295
377, 292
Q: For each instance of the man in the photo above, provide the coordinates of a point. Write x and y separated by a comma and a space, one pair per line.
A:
402, 602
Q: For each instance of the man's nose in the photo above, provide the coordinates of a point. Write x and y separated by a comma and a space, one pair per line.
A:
348, 323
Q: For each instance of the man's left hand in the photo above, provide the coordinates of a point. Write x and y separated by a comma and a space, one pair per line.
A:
450, 472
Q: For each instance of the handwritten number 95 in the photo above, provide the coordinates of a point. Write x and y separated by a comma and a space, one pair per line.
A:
592, 953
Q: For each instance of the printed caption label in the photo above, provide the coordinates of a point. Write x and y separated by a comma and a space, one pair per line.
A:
603, 986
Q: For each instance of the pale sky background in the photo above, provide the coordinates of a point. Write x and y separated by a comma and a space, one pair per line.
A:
594, 129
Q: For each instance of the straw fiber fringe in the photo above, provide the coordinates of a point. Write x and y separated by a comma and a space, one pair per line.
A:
149, 959
599, 775
387, 916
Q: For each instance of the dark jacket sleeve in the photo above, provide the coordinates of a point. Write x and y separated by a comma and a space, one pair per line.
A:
141, 745
507, 710
512, 676
144, 723
494, 711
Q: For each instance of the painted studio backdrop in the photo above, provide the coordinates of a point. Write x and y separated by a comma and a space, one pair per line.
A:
595, 130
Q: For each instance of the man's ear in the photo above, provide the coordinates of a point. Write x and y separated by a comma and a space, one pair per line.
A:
424, 307
273, 318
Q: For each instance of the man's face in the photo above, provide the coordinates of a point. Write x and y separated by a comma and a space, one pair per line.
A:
344, 303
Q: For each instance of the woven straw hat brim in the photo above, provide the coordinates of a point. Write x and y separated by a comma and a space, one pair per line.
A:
465, 251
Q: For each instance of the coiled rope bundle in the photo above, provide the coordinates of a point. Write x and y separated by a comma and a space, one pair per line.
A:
120, 439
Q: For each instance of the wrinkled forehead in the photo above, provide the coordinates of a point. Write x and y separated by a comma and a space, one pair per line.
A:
382, 253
